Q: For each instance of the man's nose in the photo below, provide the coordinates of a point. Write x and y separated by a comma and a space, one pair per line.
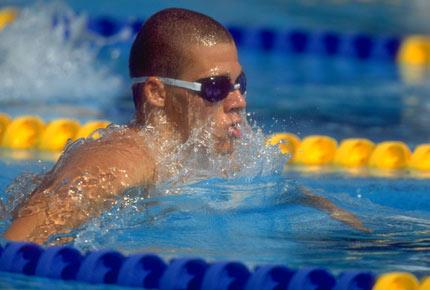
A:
235, 101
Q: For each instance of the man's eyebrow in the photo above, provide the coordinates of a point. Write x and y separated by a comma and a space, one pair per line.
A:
226, 74
216, 75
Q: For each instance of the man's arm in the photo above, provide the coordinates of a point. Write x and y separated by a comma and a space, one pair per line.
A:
308, 198
82, 186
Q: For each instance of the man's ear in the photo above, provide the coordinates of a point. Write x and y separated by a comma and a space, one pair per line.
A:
155, 92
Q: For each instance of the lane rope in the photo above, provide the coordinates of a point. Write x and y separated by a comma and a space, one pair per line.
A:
150, 271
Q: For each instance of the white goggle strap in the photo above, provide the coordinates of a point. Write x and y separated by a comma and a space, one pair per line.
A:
172, 82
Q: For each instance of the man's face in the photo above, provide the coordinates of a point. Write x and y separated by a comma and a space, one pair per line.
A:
190, 111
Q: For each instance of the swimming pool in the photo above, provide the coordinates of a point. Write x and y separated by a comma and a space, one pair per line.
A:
248, 217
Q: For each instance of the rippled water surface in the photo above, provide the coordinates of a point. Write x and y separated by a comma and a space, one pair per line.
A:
255, 220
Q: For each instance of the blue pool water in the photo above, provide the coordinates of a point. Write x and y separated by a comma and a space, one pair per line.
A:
250, 216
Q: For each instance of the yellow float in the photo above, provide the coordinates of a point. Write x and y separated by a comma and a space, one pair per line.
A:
354, 152
425, 284
390, 155
415, 50
316, 150
420, 159
396, 281
23, 133
56, 134
414, 59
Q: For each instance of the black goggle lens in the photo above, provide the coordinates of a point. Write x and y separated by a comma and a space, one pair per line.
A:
241, 80
215, 89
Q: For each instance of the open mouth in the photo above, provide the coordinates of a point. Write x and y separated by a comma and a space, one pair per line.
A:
235, 131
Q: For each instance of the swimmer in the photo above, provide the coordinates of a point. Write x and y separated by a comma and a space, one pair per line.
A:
185, 73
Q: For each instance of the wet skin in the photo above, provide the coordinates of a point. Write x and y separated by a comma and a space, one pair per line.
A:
187, 111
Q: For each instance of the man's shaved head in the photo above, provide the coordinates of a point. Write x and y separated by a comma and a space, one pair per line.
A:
160, 47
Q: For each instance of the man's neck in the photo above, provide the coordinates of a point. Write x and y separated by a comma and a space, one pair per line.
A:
162, 139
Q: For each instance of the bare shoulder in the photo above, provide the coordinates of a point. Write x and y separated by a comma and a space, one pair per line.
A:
84, 182
122, 153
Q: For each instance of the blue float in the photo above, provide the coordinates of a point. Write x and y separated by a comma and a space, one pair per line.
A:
297, 41
392, 46
363, 46
270, 277
355, 280
142, 270
238, 34
226, 276
105, 26
184, 274
331, 43
60, 262
100, 267
325, 43
312, 279
267, 39
136, 25
20, 257
388, 47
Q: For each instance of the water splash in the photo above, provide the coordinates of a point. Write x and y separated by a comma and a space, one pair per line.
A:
19, 190
43, 62
198, 159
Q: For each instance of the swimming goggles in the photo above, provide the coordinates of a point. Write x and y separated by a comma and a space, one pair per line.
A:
212, 89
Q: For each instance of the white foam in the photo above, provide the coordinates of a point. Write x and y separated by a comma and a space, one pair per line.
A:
198, 158
39, 63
